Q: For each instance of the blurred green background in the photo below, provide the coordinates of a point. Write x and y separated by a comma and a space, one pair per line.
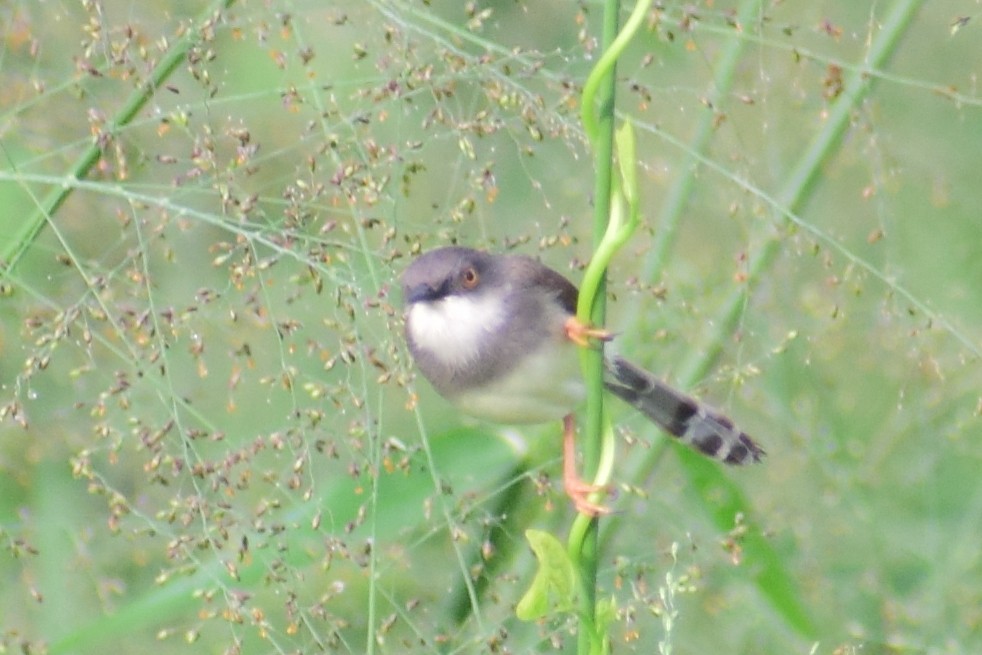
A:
212, 440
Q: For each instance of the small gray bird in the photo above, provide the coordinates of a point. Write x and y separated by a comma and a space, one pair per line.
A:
496, 335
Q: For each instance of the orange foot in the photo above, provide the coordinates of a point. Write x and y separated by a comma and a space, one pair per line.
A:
576, 488
580, 333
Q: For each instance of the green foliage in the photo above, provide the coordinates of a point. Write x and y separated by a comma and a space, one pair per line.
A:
555, 583
211, 438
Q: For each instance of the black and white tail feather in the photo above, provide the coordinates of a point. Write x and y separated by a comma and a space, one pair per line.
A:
683, 417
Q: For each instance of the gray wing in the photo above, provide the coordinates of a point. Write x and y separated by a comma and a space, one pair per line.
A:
683, 417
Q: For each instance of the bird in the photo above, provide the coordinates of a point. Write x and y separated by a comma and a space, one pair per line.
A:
496, 334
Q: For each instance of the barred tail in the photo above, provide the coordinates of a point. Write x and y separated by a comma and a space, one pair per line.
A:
683, 417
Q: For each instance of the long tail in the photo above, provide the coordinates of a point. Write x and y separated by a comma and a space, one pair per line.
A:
692, 422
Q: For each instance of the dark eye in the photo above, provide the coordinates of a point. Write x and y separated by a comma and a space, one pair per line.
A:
470, 278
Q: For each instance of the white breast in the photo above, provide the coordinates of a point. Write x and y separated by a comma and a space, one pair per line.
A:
546, 386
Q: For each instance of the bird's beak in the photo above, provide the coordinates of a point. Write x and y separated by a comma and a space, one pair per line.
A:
424, 292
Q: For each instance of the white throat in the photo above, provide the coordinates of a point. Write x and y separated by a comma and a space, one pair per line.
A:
451, 328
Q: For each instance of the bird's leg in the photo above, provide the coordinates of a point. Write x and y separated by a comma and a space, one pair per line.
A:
576, 488
581, 333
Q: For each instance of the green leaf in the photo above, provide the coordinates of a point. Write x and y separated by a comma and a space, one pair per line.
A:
553, 588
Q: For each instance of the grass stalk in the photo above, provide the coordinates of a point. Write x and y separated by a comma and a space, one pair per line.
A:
48, 206
773, 579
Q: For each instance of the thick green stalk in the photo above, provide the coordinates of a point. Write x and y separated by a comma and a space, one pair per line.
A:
615, 218
583, 545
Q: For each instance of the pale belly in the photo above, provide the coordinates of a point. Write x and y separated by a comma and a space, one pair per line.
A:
546, 387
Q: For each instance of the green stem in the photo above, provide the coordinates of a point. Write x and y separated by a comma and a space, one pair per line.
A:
615, 216
583, 538
49, 205
603, 73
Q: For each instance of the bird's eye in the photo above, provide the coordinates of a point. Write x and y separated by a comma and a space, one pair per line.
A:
470, 278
